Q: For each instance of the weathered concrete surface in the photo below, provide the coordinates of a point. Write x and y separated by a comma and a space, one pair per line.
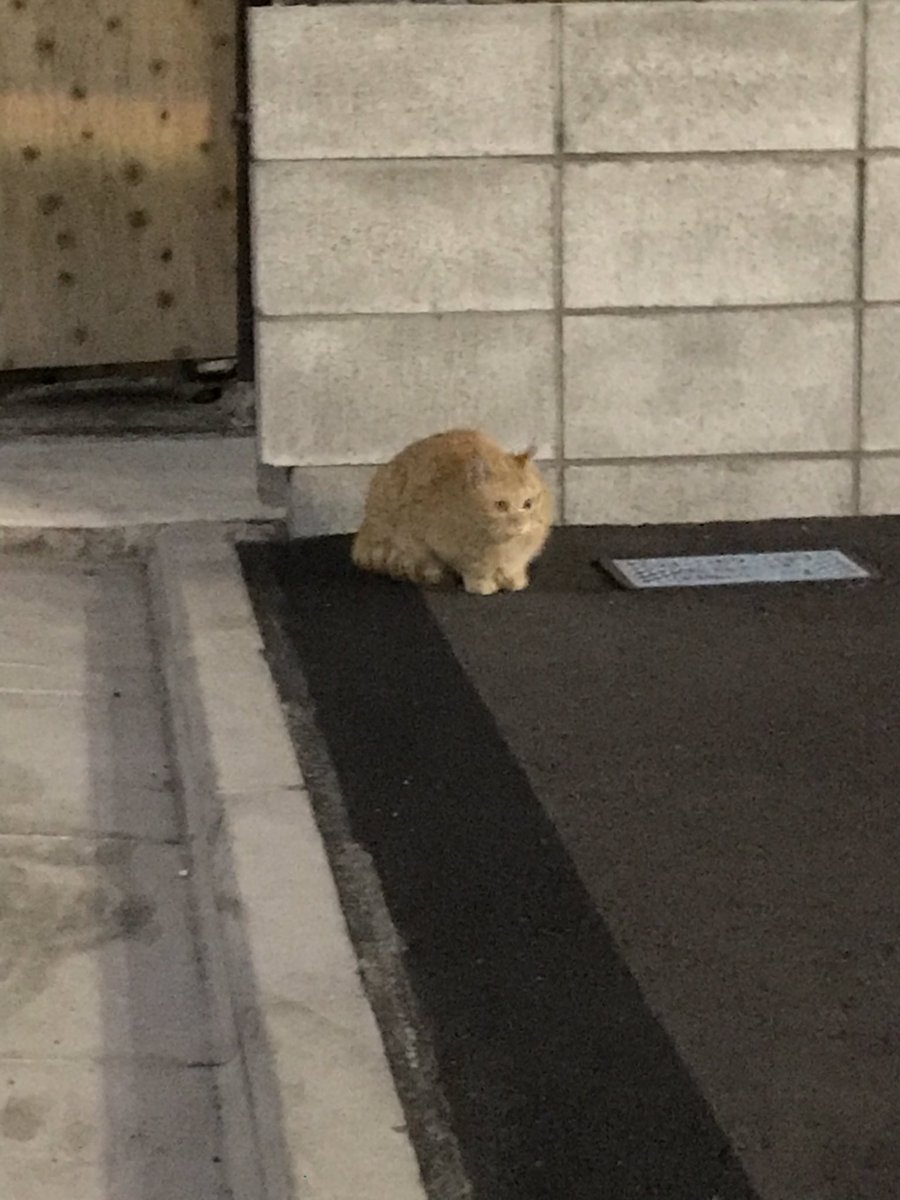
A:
715, 490
320, 1102
648, 385
881, 371
106, 1091
127, 1130
327, 499
368, 384
402, 236
680, 77
883, 98
882, 251
707, 232
474, 82
112, 482
880, 484
76, 666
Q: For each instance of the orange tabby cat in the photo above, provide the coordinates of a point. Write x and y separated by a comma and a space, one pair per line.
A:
456, 501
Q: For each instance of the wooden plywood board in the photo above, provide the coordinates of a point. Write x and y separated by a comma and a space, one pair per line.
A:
117, 181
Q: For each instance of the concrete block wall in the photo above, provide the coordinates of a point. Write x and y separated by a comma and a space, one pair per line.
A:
661, 239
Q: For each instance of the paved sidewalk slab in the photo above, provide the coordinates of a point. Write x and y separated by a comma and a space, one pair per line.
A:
123, 1131
100, 961
181, 1010
82, 745
107, 1090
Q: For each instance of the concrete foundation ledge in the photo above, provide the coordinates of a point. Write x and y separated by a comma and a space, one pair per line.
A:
307, 1099
120, 483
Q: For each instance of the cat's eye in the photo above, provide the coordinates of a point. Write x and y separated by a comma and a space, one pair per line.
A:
528, 504
503, 505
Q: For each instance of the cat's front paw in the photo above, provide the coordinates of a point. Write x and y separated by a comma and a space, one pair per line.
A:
480, 586
515, 581
431, 573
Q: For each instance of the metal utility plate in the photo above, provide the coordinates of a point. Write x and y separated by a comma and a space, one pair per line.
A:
719, 570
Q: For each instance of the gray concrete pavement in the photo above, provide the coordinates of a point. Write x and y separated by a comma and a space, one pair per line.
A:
106, 1083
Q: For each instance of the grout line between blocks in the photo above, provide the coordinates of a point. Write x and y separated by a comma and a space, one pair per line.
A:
749, 456
447, 3
629, 460
851, 303
860, 256
558, 258
576, 158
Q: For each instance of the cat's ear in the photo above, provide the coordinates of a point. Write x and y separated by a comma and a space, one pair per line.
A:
479, 471
527, 455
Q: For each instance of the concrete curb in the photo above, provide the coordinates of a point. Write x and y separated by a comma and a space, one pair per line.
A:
308, 1104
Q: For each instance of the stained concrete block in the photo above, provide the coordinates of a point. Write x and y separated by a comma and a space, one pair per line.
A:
708, 383
767, 75
879, 485
742, 490
883, 74
708, 232
327, 499
102, 962
402, 236
881, 379
388, 81
882, 235
107, 772
357, 389
94, 1130
72, 627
